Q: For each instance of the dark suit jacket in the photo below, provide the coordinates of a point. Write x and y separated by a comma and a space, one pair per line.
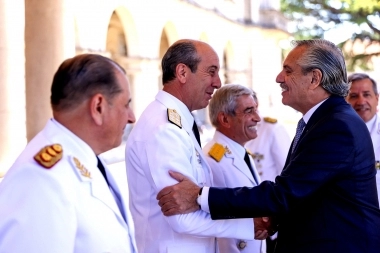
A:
325, 198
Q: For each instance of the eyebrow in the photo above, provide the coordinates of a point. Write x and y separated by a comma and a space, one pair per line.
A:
249, 108
213, 66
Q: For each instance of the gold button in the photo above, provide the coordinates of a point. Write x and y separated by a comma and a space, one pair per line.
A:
242, 244
45, 157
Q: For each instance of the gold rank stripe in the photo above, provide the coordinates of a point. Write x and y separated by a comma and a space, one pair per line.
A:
49, 155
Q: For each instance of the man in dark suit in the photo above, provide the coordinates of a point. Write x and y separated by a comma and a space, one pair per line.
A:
325, 199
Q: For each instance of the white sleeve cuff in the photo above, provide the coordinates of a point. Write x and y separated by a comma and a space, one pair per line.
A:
204, 199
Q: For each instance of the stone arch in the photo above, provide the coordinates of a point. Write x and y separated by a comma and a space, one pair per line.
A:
122, 44
128, 27
168, 36
116, 43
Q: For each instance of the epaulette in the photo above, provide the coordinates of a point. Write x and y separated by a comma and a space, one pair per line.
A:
49, 155
174, 117
217, 152
270, 120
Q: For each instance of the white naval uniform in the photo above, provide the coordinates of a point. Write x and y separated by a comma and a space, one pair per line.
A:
374, 129
154, 147
232, 171
269, 149
61, 209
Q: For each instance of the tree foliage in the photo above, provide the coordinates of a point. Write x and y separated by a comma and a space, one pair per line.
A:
314, 18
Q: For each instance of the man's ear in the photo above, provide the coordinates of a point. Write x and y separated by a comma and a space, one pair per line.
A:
97, 108
224, 120
316, 78
181, 72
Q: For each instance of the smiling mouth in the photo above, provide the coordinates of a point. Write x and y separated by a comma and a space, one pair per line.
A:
283, 87
361, 109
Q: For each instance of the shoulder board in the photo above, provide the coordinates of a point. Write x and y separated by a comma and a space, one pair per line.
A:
49, 155
217, 152
174, 117
270, 120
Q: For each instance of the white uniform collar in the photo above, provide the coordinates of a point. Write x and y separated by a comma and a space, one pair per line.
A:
231, 144
172, 102
371, 124
77, 144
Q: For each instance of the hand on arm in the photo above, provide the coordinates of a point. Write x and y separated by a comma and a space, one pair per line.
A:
180, 198
264, 226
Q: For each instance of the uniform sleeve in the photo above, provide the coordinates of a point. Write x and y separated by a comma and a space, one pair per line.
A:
171, 148
35, 213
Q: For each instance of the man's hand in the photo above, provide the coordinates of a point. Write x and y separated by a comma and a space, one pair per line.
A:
180, 198
263, 228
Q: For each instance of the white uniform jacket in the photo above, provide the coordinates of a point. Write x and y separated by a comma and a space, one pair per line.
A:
232, 171
66, 208
269, 149
154, 147
374, 130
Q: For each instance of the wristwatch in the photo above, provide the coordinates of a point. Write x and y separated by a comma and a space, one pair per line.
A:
199, 197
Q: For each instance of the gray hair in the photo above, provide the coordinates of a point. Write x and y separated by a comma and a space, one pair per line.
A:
224, 100
360, 76
328, 58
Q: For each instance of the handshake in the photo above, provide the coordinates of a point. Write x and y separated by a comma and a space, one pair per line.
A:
264, 227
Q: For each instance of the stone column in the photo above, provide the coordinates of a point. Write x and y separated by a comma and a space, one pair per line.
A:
12, 82
49, 39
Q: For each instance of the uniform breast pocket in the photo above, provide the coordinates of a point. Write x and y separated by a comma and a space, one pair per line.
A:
198, 169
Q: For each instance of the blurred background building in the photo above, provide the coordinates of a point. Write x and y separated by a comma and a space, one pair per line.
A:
37, 35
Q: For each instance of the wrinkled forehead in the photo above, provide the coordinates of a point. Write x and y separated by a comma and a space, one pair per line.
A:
294, 55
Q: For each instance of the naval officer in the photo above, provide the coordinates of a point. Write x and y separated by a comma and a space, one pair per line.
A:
58, 196
166, 138
233, 113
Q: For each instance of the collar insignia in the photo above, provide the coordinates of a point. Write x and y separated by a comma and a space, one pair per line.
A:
49, 155
81, 168
228, 151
